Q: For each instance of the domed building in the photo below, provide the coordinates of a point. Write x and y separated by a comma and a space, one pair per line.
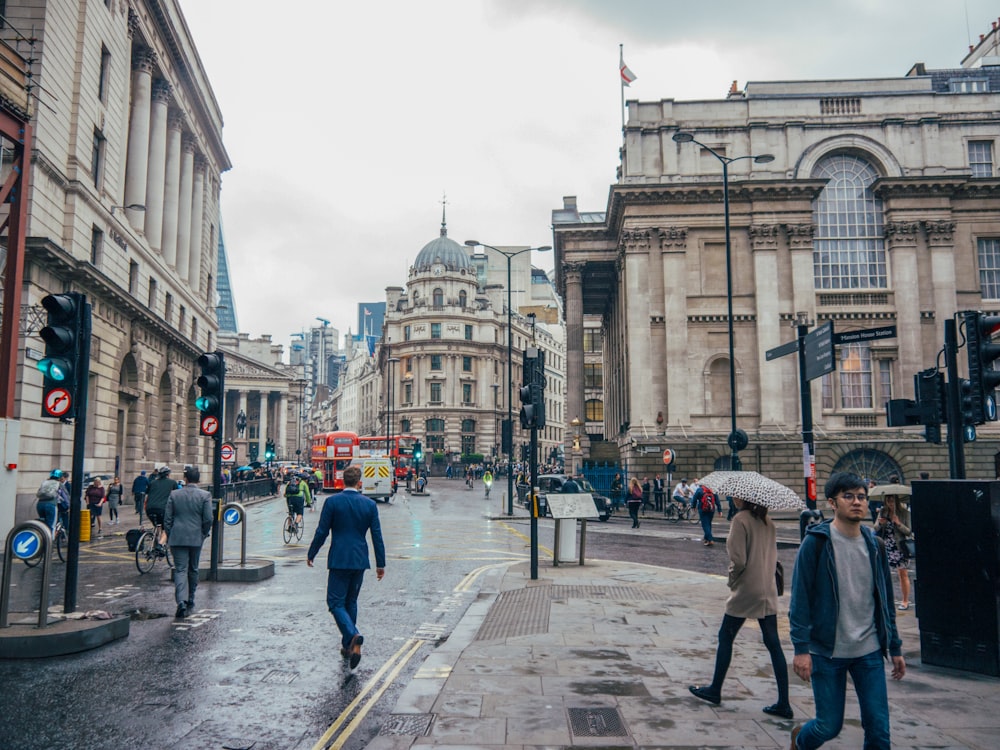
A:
444, 353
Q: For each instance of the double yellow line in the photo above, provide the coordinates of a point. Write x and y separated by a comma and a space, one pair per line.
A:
334, 737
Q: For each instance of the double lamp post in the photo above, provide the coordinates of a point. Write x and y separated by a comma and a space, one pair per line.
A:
737, 440
508, 431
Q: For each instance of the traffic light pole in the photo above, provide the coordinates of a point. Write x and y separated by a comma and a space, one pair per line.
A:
81, 389
534, 503
956, 432
217, 507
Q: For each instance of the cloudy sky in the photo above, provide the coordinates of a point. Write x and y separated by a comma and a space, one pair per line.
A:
346, 123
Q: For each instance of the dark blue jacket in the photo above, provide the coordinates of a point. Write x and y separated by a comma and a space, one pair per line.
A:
815, 595
347, 517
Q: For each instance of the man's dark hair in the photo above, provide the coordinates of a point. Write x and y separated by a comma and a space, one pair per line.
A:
843, 481
352, 475
192, 474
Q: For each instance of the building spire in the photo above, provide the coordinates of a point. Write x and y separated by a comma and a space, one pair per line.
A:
444, 218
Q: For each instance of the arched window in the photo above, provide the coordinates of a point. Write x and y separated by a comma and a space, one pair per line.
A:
462, 299
869, 463
594, 408
468, 425
438, 300
848, 247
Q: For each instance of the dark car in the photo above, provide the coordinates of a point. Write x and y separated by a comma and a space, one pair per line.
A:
552, 484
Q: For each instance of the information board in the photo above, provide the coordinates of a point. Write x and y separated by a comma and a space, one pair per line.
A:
572, 505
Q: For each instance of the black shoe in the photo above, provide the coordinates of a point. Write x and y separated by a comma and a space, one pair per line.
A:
355, 650
181, 612
785, 711
190, 605
705, 695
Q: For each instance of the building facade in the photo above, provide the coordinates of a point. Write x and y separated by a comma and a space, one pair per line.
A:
881, 208
124, 206
446, 331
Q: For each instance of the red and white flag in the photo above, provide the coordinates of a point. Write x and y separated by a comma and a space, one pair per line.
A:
627, 75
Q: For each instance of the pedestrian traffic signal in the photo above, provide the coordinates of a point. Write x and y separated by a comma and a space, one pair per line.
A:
982, 352
966, 402
63, 336
212, 385
928, 385
418, 451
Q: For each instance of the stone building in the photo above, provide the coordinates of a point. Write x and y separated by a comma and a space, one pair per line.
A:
124, 206
448, 329
881, 208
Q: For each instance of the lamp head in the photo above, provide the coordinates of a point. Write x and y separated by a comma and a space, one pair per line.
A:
681, 137
543, 249
763, 159
472, 243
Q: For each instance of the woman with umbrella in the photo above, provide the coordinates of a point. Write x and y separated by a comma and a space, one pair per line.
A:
893, 526
753, 557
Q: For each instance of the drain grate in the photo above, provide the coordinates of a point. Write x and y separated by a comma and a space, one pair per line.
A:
280, 677
412, 725
596, 722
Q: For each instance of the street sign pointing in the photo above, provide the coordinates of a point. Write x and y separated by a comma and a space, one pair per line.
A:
26, 544
781, 351
865, 334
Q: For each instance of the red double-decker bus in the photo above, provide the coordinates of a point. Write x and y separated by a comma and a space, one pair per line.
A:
332, 452
400, 451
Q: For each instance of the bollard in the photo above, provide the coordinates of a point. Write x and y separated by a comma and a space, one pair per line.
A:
84, 524
28, 533
808, 518
231, 520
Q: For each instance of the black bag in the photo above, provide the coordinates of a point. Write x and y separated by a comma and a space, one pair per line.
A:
132, 538
910, 548
779, 578
292, 488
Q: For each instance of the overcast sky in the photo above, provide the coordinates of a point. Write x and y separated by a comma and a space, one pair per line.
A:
347, 122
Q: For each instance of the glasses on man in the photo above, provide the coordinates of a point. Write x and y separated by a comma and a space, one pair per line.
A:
851, 497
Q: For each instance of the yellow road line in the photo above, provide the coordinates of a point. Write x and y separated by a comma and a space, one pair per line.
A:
526, 538
411, 647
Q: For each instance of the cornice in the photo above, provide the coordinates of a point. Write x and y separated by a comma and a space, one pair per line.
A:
918, 187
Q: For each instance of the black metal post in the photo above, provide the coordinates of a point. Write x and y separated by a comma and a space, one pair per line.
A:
734, 461
805, 398
956, 431
534, 503
217, 528
76, 472
510, 396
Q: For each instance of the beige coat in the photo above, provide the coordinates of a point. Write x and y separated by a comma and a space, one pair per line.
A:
753, 554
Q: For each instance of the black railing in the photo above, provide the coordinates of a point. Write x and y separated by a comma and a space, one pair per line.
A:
240, 492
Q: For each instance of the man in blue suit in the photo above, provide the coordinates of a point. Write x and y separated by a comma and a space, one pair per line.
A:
348, 516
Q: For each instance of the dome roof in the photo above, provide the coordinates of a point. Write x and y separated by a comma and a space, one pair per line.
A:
442, 250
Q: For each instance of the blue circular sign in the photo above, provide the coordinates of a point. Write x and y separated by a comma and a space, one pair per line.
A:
27, 544
232, 516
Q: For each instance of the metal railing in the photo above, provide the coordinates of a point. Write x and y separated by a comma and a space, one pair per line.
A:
238, 492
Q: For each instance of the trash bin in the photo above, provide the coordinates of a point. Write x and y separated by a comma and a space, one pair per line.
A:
85, 525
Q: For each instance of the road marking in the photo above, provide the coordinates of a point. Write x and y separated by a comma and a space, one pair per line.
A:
197, 619
401, 658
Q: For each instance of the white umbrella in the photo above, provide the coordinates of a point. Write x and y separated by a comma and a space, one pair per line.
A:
880, 490
754, 488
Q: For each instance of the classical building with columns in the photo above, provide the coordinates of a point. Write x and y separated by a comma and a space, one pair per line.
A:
448, 330
880, 208
125, 179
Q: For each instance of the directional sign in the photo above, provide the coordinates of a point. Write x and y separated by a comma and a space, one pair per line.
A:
866, 334
57, 402
228, 453
232, 516
819, 351
27, 544
668, 457
209, 425
781, 351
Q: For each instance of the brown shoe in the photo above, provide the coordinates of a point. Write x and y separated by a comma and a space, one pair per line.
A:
355, 649
795, 737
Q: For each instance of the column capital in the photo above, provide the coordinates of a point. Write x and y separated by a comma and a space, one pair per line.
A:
573, 272
133, 23
162, 91
143, 60
200, 163
188, 143
764, 236
939, 232
673, 238
634, 240
800, 236
176, 120
902, 232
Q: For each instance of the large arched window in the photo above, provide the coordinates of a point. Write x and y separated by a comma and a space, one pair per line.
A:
594, 409
462, 299
438, 300
848, 247
870, 463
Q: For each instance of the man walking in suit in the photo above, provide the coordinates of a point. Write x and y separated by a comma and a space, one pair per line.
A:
347, 517
187, 521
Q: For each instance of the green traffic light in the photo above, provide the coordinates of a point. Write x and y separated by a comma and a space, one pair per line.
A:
55, 369
205, 403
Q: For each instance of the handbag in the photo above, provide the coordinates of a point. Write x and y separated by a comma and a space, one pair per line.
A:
779, 578
910, 548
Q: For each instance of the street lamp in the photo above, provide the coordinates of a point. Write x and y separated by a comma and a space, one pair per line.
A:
737, 439
510, 370
388, 422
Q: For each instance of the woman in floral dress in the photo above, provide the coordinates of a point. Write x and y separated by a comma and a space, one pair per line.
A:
893, 526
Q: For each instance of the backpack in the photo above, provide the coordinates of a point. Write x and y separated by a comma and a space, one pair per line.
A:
49, 490
707, 500
292, 488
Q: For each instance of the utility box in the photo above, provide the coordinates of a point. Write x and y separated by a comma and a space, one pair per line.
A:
956, 525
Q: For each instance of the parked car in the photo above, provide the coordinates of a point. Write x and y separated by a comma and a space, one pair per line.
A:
552, 484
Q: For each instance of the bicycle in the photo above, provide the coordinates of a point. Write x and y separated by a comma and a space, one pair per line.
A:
148, 550
676, 512
291, 528
60, 539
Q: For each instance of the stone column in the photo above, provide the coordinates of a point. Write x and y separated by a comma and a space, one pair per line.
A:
157, 164
184, 199
192, 267
574, 341
171, 191
137, 161
673, 258
764, 247
282, 417
262, 425
940, 239
901, 247
634, 253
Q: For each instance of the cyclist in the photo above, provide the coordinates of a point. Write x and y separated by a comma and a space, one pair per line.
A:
156, 500
488, 481
47, 497
296, 495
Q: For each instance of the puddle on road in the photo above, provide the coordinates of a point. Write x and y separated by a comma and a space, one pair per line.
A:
141, 614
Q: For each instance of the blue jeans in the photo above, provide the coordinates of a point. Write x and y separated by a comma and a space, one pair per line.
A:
342, 589
829, 682
706, 524
47, 512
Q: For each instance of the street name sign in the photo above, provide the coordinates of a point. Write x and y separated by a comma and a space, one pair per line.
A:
781, 351
865, 334
819, 351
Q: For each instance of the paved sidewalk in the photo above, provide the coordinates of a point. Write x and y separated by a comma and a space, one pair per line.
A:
602, 655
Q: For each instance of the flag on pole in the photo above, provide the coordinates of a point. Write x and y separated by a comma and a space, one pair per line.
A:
367, 311
627, 75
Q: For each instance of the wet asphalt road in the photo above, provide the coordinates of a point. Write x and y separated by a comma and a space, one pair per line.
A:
259, 663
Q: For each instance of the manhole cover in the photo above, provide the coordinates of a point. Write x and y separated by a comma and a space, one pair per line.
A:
238, 744
280, 677
412, 725
596, 722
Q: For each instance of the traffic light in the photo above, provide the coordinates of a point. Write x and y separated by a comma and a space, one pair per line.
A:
532, 392
269, 450
212, 384
418, 451
982, 352
63, 336
967, 405
928, 385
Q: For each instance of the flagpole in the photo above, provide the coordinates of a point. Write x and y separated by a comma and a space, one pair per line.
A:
621, 84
